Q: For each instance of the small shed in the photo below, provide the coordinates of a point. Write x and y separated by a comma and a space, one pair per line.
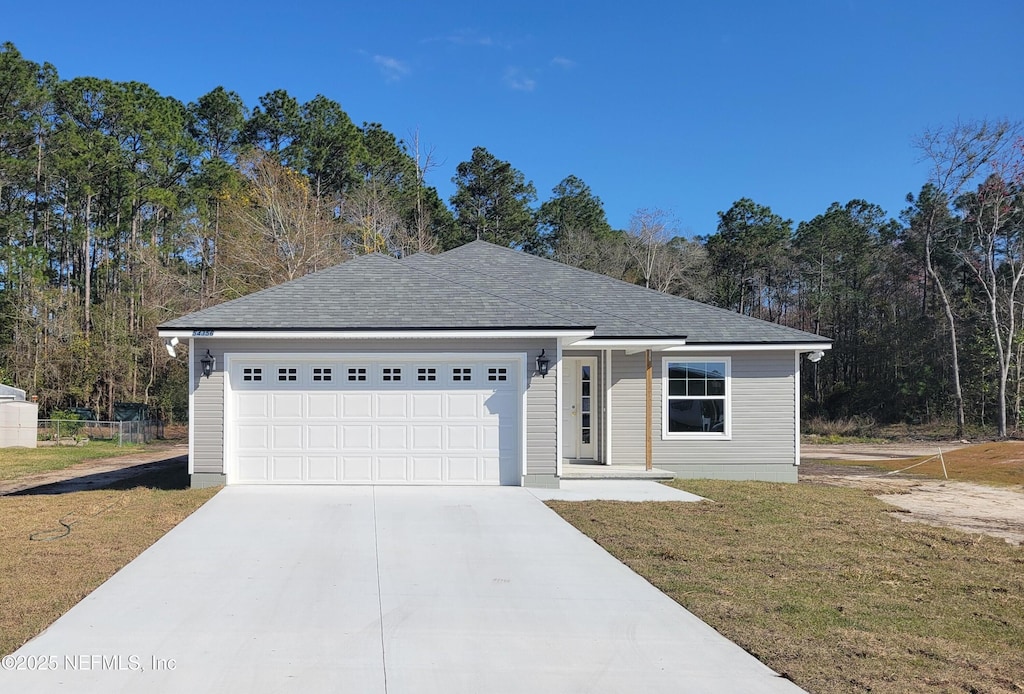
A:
19, 419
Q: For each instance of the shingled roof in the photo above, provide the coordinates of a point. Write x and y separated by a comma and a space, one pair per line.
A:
480, 286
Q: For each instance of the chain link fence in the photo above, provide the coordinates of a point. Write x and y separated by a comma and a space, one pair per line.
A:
71, 432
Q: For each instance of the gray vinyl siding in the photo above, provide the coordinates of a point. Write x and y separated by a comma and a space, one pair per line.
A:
763, 442
208, 412
208, 416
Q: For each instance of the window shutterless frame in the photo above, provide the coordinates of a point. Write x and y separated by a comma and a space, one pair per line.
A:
696, 398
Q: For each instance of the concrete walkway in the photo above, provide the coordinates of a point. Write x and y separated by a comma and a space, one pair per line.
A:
380, 589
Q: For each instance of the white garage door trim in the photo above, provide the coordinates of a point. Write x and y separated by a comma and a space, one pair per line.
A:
235, 361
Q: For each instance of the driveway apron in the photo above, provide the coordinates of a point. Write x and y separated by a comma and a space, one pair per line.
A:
380, 589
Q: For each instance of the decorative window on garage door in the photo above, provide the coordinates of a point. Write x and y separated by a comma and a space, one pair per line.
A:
252, 373
323, 374
497, 373
391, 373
462, 373
287, 374
357, 373
426, 373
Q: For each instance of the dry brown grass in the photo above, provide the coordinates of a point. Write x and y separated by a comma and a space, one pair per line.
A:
826, 587
41, 580
1000, 462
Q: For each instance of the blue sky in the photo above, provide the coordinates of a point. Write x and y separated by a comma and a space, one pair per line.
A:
682, 106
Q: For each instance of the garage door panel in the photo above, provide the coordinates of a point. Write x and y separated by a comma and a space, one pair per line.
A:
392, 468
253, 468
286, 468
324, 469
463, 469
356, 468
392, 437
253, 436
461, 405
427, 405
491, 467
357, 405
462, 437
286, 437
357, 437
491, 434
253, 405
322, 406
427, 468
323, 437
392, 405
286, 405
413, 431
426, 437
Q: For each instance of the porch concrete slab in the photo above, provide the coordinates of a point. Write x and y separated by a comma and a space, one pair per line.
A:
613, 490
381, 589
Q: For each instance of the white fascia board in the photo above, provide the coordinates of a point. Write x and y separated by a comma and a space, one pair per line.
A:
562, 335
735, 347
631, 346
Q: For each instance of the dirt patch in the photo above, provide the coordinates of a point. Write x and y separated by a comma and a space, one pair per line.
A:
967, 506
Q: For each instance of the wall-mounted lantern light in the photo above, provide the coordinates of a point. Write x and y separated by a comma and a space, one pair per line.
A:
208, 363
542, 364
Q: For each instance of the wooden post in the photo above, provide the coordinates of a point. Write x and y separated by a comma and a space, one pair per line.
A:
649, 416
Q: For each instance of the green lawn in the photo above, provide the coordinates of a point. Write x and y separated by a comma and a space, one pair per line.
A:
825, 586
18, 462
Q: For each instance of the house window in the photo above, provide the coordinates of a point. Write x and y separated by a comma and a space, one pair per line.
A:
462, 374
426, 373
497, 373
357, 373
323, 374
391, 373
252, 373
695, 398
287, 373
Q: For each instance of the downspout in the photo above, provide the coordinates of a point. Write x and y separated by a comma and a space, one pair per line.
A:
649, 417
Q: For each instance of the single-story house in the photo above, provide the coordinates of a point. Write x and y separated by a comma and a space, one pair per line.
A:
483, 365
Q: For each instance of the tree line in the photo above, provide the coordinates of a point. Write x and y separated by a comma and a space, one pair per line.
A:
121, 207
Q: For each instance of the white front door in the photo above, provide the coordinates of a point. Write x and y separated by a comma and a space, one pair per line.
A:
579, 421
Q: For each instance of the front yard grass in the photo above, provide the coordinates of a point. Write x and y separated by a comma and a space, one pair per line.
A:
40, 580
18, 462
825, 586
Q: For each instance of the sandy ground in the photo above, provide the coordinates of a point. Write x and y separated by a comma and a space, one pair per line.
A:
975, 508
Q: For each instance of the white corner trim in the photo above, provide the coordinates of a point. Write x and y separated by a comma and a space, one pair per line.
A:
796, 407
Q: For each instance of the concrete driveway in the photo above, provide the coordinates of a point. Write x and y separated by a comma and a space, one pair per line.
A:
380, 589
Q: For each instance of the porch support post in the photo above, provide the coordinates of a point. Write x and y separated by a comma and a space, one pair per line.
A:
649, 417
607, 407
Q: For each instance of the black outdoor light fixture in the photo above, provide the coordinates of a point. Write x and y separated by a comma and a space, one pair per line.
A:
542, 364
208, 363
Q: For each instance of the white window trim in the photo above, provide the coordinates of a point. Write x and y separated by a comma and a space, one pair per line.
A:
666, 435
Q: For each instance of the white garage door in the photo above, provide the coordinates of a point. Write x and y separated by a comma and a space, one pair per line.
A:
401, 420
